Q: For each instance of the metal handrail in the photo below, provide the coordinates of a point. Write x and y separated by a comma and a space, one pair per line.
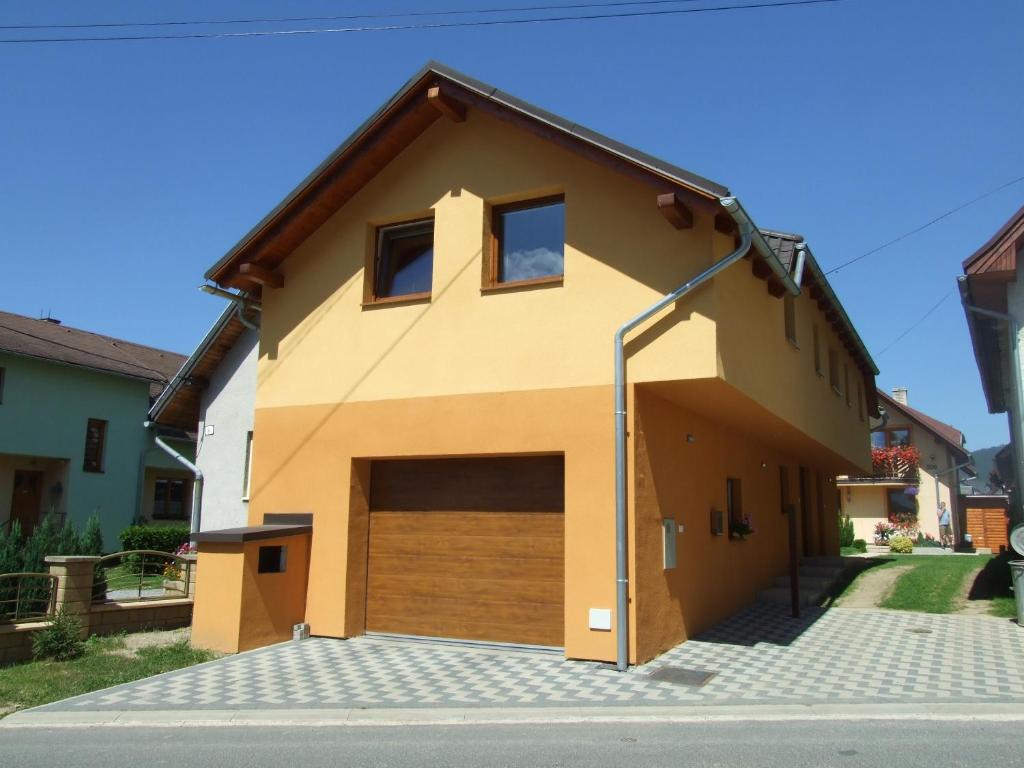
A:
102, 585
50, 599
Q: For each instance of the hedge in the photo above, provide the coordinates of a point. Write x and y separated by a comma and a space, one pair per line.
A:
161, 538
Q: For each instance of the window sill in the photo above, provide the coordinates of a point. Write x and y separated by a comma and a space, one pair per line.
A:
793, 344
93, 471
408, 298
820, 374
837, 391
536, 282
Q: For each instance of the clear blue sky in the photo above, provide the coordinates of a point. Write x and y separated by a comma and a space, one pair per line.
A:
126, 169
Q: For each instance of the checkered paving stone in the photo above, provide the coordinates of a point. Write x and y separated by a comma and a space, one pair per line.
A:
758, 656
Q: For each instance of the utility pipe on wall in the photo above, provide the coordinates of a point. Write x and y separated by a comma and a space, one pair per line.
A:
749, 235
197, 486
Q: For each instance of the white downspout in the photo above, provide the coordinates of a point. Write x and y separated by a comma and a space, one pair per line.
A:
197, 485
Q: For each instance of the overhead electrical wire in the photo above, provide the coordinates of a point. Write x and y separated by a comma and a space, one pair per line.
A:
923, 317
416, 26
924, 226
349, 17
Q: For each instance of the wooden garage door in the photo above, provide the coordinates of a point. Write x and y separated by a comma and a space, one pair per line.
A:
468, 548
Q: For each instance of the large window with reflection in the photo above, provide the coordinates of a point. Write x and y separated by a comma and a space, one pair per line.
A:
527, 242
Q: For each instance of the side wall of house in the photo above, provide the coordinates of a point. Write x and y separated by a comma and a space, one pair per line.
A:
45, 411
683, 459
227, 408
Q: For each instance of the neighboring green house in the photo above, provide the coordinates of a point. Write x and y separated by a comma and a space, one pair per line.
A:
73, 434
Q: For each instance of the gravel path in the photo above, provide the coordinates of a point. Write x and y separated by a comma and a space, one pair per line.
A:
873, 587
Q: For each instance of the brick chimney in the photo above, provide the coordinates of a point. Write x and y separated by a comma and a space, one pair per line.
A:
899, 394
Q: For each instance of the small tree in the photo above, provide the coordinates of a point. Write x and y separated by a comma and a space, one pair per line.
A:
68, 541
92, 539
846, 533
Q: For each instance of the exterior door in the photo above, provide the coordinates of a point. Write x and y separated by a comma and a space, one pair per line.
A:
26, 498
468, 548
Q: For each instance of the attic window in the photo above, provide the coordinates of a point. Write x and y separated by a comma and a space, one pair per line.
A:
527, 242
403, 261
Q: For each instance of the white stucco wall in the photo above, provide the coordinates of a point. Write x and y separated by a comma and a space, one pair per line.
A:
227, 410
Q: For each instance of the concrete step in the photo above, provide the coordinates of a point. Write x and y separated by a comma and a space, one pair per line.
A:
825, 561
780, 596
807, 583
820, 571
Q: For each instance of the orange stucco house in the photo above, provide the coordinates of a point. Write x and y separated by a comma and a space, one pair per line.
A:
440, 445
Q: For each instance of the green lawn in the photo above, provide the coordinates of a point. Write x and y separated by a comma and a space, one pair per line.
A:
105, 663
121, 577
934, 584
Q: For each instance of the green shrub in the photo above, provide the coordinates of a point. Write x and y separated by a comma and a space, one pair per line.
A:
161, 538
901, 545
860, 545
846, 533
61, 640
92, 538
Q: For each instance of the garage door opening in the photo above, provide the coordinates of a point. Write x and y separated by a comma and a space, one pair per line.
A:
470, 549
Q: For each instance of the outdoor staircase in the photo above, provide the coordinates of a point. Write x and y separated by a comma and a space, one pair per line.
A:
817, 574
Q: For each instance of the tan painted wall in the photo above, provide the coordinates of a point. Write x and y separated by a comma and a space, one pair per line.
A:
217, 613
305, 466
866, 507
755, 356
683, 481
620, 256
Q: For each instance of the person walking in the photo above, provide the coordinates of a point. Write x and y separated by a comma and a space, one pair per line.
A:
945, 526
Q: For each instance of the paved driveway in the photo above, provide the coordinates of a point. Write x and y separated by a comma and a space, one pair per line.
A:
758, 656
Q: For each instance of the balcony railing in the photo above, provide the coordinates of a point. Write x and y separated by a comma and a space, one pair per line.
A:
896, 463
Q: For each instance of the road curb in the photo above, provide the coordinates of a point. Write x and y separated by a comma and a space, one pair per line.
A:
1003, 712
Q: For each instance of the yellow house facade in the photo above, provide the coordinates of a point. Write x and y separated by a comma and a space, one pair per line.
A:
892, 492
435, 427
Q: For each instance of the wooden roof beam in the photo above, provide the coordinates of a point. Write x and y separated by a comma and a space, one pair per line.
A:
261, 275
446, 105
675, 211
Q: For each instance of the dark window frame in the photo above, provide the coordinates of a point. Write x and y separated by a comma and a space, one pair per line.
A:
733, 502
3, 380
817, 352
789, 319
162, 513
492, 266
93, 458
833, 370
372, 293
888, 432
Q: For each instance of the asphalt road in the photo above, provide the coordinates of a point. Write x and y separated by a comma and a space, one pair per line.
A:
907, 744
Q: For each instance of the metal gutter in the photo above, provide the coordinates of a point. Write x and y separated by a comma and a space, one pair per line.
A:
747, 231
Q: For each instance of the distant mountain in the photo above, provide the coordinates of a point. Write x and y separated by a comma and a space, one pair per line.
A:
984, 462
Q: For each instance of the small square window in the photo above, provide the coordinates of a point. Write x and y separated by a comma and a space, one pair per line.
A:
789, 312
273, 559
95, 440
527, 242
403, 263
169, 499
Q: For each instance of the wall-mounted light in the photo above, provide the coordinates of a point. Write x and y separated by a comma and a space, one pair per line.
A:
690, 438
764, 465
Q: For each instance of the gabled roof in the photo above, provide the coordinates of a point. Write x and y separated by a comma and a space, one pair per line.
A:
398, 122
438, 90
998, 257
49, 340
179, 404
949, 434
986, 274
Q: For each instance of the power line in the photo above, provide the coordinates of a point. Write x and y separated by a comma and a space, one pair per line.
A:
936, 220
923, 317
433, 25
349, 17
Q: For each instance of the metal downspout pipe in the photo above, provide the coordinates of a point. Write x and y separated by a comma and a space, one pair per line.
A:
197, 486
747, 231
